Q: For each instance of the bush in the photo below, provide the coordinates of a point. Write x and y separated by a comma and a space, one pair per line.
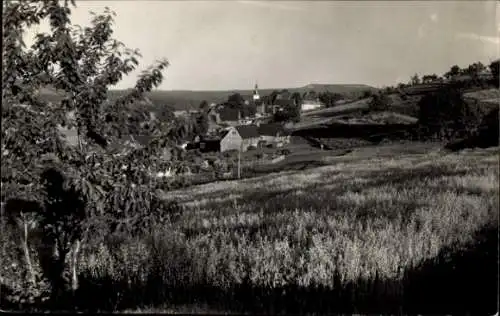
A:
379, 102
366, 94
446, 115
486, 136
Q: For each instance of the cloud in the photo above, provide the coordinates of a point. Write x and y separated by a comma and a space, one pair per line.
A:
483, 38
271, 5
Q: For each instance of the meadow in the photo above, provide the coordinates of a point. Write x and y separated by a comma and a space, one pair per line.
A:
380, 234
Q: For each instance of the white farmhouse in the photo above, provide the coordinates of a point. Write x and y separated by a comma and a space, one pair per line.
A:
308, 105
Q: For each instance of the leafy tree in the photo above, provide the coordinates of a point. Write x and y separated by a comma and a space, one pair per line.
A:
290, 113
297, 98
201, 124
454, 71
475, 68
235, 101
311, 95
78, 184
204, 105
165, 114
366, 94
379, 102
429, 78
415, 79
446, 114
495, 67
273, 96
487, 134
248, 110
329, 99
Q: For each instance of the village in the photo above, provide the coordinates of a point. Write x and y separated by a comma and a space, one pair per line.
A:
238, 137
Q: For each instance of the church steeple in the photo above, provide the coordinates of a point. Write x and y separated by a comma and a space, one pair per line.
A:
256, 95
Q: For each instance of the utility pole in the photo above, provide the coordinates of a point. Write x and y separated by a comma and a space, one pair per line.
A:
239, 161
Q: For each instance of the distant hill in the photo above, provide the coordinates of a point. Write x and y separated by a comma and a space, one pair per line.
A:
187, 99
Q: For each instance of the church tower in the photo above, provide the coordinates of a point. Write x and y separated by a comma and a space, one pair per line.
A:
256, 95
257, 101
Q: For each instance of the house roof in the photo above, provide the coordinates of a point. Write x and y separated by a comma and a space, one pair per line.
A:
223, 133
284, 102
248, 131
271, 129
229, 114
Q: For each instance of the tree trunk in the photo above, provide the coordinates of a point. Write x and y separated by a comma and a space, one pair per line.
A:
74, 264
26, 249
57, 278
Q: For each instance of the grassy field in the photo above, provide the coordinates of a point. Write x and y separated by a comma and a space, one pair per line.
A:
377, 234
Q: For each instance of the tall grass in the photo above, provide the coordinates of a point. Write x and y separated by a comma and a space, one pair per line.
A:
358, 225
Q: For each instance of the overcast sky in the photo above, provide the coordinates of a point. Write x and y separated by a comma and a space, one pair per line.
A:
220, 45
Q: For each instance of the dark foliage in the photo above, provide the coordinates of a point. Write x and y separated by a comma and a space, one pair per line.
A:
486, 136
329, 99
67, 194
495, 71
446, 115
379, 102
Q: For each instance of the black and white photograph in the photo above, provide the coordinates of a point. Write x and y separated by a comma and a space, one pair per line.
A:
250, 157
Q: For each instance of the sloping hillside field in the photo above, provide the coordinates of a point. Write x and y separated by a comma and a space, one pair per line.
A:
412, 233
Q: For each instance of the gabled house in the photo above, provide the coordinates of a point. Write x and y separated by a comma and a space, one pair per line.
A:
232, 138
249, 135
273, 133
221, 141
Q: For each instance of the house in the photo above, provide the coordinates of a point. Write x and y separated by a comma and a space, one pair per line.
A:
232, 138
280, 104
249, 135
310, 104
273, 133
224, 140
